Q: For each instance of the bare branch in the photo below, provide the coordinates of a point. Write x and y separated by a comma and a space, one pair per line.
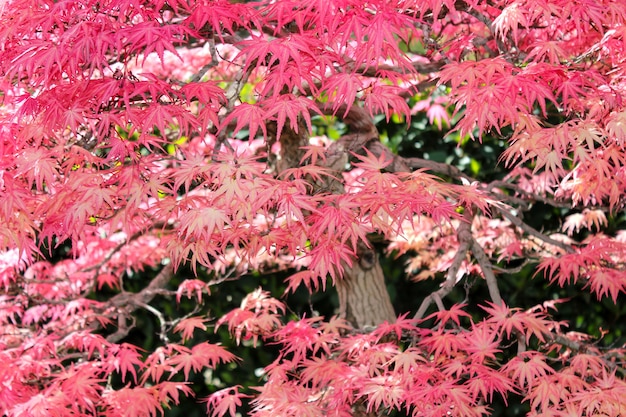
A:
532, 231
515, 270
419, 67
198, 76
464, 236
122, 328
578, 346
232, 95
526, 196
127, 302
485, 265
446, 169
162, 322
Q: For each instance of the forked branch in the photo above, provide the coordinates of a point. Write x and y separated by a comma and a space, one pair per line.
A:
464, 236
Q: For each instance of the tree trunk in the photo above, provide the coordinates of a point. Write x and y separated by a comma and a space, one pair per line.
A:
363, 297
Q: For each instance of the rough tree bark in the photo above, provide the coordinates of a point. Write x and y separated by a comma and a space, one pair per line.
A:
363, 297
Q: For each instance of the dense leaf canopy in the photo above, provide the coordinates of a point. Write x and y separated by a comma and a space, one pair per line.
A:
320, 208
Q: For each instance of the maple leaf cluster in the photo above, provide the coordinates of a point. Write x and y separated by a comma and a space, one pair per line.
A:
148, 145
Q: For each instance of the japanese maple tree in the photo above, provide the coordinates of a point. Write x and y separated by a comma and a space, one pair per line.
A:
160, 148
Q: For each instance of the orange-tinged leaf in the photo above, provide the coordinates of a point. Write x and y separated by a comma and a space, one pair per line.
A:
482, 343
189, 325
126, 360
203, 355
224, 401
170, 392
607, 282
545, 393
526, 368
191, 287
408, 360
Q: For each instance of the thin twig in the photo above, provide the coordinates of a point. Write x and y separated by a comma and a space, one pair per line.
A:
532, 231
162, 322
127, 302
122, 328
232, 95
446, 169
527, 196
198, 75
515, 270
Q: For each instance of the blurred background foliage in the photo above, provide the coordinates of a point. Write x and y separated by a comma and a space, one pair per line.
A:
418, 137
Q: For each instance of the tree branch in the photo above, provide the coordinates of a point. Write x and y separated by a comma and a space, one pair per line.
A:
464, 236
439, 167
198, 76
486, 267
232, 95
127, 302
532, 231
419, 67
